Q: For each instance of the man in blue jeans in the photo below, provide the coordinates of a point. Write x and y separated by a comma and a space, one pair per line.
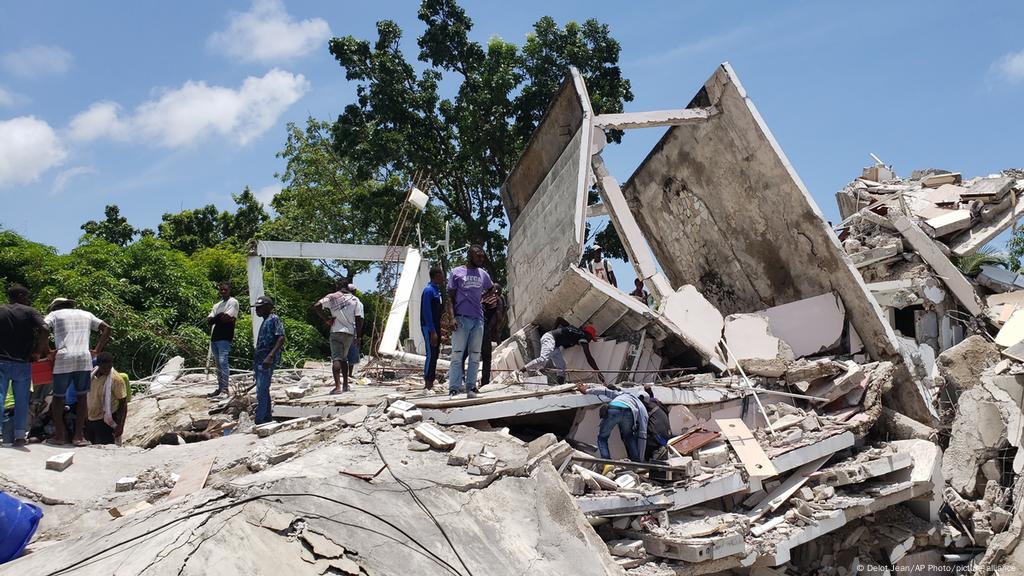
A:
269, 342
430, 324
466, 286
222, 320
22, 335
626, 411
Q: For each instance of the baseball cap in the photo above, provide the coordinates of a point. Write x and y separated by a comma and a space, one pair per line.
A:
58, 301
590, 332
263, 301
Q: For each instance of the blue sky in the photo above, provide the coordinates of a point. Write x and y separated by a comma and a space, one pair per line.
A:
161, 106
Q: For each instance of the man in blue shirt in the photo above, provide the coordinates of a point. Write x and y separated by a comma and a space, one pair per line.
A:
626, 411
269, 342
430, 324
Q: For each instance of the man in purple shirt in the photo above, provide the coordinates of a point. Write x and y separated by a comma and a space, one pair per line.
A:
466, 285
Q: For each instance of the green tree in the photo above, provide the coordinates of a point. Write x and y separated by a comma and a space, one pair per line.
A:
114, 228
248, 219
466, 144
191, 230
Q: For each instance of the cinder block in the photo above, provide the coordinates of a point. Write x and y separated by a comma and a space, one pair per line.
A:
60, 462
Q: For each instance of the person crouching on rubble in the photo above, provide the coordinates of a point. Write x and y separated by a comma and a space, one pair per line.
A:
269, 343
552, 343
623, 409
108, 403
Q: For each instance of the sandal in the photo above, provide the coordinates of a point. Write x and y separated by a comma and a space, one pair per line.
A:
52, 442
82, 443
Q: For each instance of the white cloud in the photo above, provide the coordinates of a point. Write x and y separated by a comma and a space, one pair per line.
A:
100, 120
28, 147
65, 176
1010, 67
196, 110
37, 61
267, 33
267, 193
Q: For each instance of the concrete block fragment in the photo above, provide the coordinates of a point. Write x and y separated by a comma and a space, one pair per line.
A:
575, 484
267, 429
354, 417
125, 484
464, 449
60, 462
280, 457
539, 444
627, 548
412, 416
295, 392
483, 464
713, 456
436, 438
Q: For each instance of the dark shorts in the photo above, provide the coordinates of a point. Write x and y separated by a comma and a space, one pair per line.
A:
98, 432
80, 380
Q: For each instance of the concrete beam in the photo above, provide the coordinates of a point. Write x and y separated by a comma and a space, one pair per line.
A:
509, 409
323, 251
945, 269
254, 271
653, 119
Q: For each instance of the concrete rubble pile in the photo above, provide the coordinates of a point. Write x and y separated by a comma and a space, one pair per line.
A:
837, 403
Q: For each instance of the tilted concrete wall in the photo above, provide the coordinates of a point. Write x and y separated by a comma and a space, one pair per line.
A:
545, 197
722, 209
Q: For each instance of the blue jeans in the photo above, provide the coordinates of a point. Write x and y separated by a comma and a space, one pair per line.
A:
468, 337
221, 349
263, 408
19, 374
623, 418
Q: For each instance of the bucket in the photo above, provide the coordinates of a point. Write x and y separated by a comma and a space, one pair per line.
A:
42, 372
18, 522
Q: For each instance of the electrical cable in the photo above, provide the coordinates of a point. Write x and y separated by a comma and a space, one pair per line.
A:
409, 489
246, 500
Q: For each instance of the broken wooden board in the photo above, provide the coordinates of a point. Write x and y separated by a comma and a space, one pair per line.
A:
747, 447
784, 491
487, 398
119, 511
693, 440
192, 479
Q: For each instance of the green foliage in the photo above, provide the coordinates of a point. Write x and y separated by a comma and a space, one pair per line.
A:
114, 228
466, 144
970, 265
192, 230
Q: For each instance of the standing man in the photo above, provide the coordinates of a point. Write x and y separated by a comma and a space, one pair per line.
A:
430, 324
22, 336
108, 403
639, 292
626, 411
600, 267
494, 321
565, 336
466, 286
342, 312
269, 342
72, 362
222, 320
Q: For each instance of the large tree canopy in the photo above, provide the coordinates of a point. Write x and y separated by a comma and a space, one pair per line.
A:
466, 143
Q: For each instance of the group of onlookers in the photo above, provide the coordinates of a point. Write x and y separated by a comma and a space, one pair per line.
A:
71, 372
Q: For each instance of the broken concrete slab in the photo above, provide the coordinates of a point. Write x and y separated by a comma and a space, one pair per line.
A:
789, 322
752, 344
999, 279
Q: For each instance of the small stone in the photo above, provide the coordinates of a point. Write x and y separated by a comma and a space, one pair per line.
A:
418, 446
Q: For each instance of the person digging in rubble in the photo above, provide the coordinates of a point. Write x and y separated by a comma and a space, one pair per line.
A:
342, 311
269, 342
600, 267
466, 285
659, 429
430, 324
72, 362
23, 337
108, 403
222, 320
624, 410
551, 345
494, 321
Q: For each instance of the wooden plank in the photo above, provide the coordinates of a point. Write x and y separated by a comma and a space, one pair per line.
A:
783, 491
747, 448
192, 479
485, 398
693, 440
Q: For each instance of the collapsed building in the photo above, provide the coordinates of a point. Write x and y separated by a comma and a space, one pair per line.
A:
836, 399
